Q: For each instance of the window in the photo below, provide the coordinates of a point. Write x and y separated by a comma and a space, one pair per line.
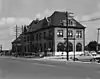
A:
60, 46
40, 35
28, 38
44, 35
70, 46
70, 33
44, 46
25, 48
79, 47
60, 33
24, 38
71, 22
28, 47
40, 47
50, 33
32, 37
36, 36
79, 34
50, 44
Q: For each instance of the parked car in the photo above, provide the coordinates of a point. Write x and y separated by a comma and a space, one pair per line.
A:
30, 56
97, 58
84, 57
38, 54
87, 57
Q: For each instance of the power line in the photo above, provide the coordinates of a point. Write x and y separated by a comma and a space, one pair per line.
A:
93, 19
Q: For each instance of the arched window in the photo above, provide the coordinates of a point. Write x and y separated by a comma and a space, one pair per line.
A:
70, 46
60, 46
79, 47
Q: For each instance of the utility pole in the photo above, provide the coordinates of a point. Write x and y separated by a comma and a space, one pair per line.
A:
67, 52
17, 31
98, 38
22, 40
16, 34
16, 37
67, 35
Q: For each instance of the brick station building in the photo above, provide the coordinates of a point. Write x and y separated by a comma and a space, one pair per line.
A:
49, 33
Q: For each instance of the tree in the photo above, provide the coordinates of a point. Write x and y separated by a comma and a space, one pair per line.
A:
92, 46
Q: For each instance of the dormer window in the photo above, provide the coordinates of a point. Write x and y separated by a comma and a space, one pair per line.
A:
70, 22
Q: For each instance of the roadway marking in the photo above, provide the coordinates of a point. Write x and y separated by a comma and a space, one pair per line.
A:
44, 65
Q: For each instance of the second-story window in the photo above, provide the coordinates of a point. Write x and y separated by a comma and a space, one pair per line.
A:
79, 34
50, 33
28, 38
60, 33
32, 37
24, 38
44, 35
36, 36
70, 33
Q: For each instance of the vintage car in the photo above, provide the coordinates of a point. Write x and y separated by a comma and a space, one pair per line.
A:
87, 57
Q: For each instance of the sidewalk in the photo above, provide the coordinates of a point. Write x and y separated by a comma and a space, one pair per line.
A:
56, 58
51, 58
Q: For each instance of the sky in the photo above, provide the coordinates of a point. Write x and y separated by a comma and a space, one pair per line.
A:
22, 12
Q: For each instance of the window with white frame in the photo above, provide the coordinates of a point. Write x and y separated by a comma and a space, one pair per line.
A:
60, 33
79, 34
70, 33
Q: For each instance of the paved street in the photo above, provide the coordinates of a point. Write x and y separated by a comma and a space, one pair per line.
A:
45, 69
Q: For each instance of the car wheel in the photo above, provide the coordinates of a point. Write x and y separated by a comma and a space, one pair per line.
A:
98, 61
92, 60
75, 59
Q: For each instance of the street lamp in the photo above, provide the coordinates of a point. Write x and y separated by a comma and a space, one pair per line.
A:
74, 47
74, 44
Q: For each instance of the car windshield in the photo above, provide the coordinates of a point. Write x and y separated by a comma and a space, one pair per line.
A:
81, 54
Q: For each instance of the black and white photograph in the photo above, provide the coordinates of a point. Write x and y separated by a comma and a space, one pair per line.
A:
49, 39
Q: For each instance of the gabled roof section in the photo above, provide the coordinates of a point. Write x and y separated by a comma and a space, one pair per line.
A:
58, 17
78, 24
17, 39
41, 24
